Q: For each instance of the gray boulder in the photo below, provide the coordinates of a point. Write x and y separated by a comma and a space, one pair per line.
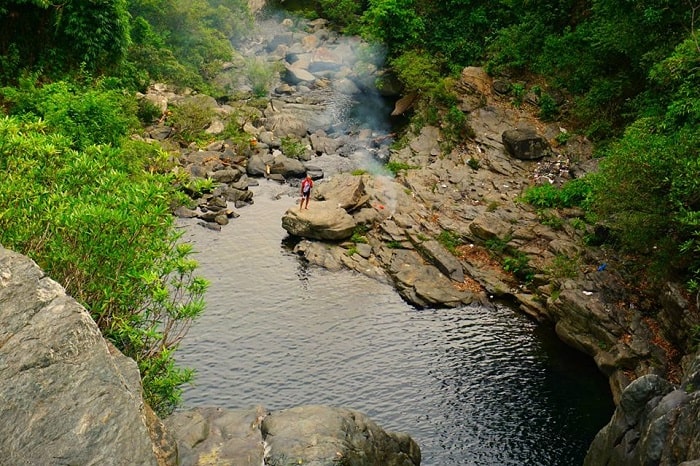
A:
297, 74
525, 144
67, 396
324, 436
655, 423
218, 436
347, 191
323, 220
443, 259
287, 167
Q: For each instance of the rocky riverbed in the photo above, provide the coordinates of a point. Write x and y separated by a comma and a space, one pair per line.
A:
445, 230
394, 227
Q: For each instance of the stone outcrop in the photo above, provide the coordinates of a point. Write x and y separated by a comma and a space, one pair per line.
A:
310, 435
655, 423
525, 144
322, 436
67, 396
323, 220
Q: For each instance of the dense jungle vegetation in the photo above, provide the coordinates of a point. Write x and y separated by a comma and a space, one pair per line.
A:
91, 206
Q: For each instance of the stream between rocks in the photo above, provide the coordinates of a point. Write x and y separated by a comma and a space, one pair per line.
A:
473, 385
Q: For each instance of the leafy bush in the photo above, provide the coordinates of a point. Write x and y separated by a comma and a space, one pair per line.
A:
418, 71
292, 147
564, 267
395, 167
56, 39
548, 107
342, 12
519, 265
86, 115
573, 193
261, 75
97, 222
190, 118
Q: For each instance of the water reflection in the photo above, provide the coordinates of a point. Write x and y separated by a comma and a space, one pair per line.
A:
474, 386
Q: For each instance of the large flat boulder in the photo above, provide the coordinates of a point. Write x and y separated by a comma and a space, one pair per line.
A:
326, 436
66, 395
323, 220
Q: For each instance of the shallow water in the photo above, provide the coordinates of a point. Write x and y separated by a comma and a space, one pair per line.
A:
473, 386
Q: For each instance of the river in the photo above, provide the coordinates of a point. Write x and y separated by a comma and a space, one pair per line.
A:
473, 386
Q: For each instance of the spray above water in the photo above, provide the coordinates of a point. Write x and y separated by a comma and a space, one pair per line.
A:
327, 82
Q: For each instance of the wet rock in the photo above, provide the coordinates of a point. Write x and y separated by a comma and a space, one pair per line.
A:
218, 436
422, 284
287, 167
296, 74
441, 258
654, 423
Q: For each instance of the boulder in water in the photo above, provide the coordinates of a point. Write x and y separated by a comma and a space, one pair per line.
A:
323, 220
322, 436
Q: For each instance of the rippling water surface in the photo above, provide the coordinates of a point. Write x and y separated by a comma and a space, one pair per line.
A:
473, 386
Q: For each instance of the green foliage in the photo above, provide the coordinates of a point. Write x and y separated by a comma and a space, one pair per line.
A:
455, 127
548, 107
417, 71
58, 38
358, 238
292, 147
450, 240
647, 192
190, 118
394, 23
563, 137
342, 12
96, 217
550, 219
497, 245
395, 167
180, 42
564, 267
474, 163
87, 115
196, 187
148, 112
261, 75
573, 193
519, 265
518, 94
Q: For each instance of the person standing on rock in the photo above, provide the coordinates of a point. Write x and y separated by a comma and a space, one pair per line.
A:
306, 185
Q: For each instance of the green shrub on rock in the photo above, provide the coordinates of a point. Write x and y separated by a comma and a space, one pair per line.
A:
99, 223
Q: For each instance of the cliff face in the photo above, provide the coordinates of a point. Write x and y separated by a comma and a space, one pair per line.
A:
66, 396
656, 423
